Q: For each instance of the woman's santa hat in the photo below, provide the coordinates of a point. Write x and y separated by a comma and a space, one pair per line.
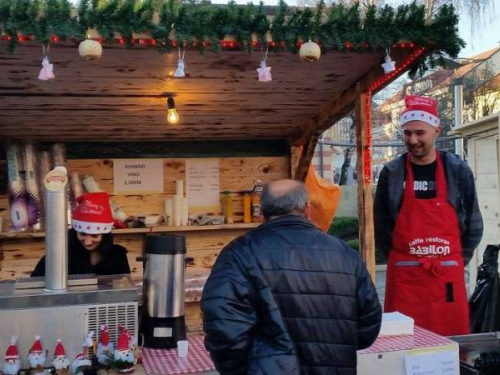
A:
37, 345
104, 336
12, 352
420, 108
93, 214
59, 350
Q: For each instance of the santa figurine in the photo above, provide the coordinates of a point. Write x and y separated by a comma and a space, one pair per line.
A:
104, 348
60, 363
123, 354
36, 357
11, 364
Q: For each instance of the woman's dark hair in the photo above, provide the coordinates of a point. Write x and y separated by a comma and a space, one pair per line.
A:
104, 248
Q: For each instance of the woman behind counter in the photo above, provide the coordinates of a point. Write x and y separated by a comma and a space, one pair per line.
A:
90, 242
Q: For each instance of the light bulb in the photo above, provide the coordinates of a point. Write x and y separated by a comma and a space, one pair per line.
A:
172, 116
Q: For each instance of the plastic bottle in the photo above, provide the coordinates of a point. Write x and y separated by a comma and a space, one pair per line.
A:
258, 186
228, 207
247, 208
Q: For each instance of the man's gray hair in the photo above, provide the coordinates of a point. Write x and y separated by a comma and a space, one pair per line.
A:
277, 202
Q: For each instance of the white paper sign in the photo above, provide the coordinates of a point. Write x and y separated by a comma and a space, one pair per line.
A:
437, 363
202, 185
138, 176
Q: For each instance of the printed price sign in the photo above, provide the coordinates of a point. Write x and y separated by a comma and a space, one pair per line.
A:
138, 176
440, 362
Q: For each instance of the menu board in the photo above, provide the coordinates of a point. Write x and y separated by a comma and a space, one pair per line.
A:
202, 185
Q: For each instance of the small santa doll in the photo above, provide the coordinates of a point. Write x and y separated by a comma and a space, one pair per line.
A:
123, 354
11, 364
36, 357
104, 348
60, 363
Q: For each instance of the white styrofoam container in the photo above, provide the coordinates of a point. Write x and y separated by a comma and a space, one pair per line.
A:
396, 324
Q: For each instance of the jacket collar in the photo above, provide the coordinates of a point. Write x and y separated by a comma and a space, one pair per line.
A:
400, 160
397, 169
286, 220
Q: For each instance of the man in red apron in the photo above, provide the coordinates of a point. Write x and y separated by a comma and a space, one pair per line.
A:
428, 221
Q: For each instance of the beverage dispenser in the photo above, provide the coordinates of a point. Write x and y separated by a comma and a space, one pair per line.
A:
163, 322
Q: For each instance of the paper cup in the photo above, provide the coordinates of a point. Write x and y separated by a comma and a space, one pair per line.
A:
182, 348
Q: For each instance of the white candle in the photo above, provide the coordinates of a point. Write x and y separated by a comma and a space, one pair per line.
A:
179, 188
184, 212
177, 210
169, 211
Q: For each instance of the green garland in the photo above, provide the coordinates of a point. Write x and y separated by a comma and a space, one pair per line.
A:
337, 26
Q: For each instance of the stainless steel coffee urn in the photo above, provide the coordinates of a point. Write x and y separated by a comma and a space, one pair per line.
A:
163, 322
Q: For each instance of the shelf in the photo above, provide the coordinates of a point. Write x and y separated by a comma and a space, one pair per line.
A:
159, 229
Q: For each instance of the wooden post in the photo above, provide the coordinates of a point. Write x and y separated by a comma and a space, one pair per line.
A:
306, 156
365, 183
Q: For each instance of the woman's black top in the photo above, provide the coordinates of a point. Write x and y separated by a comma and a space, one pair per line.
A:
114, 260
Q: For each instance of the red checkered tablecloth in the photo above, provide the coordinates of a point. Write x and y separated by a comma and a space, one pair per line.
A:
420, 339
166, 362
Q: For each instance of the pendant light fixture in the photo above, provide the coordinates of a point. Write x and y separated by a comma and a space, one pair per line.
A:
172, 115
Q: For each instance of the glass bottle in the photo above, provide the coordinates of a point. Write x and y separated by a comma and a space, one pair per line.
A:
228, 207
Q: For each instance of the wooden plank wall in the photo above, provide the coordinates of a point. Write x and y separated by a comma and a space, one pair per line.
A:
19, 256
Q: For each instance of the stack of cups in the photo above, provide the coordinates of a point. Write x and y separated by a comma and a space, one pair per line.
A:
176, 208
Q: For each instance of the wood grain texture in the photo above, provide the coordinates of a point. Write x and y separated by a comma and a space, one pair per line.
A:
19, 255
365, 188
122, 96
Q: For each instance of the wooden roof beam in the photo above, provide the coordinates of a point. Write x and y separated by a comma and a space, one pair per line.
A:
342, 103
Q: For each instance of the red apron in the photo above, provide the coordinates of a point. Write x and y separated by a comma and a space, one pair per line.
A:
425, 271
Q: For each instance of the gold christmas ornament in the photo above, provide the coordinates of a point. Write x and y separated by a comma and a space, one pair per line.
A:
310, 51
90, 49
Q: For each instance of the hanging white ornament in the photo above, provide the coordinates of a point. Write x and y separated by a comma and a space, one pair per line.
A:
47, 71
389, 65
264, 71
310, 51
181, 65
90, 49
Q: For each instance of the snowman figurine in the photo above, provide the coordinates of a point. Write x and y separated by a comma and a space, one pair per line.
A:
11, 364
104, 348
60, 363
37, 357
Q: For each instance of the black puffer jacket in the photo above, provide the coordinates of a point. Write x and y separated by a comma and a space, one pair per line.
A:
288, 299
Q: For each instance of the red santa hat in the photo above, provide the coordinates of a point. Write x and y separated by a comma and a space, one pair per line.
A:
80, 356
122, 343
420, 108
104, 336
93, 214
59, 350
37, 345
12, 352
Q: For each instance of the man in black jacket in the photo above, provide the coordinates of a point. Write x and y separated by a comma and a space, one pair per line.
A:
287, 298
427, 221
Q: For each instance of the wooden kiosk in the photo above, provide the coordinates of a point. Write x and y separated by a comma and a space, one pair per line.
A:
115, 107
